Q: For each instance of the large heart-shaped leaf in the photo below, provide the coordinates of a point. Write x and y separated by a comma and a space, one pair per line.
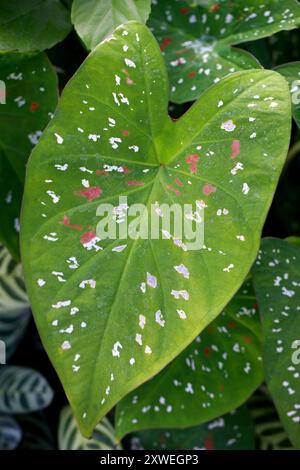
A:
10, 433
14, 304
32, 25
112, 313
23, 390
95, 19
31, 97
214, 375
69, 437
234, 431
196, 42
277, 284
292, 73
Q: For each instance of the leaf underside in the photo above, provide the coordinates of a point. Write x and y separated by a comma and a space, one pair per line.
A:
112, 313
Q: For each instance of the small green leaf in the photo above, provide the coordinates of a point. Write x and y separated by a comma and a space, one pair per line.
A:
32, 25
23, 390
10, 433
213, 376
69, 437
234, 431
14, 304
196, 42
292, 73
96, 19
30, 96
277, 285
111, 136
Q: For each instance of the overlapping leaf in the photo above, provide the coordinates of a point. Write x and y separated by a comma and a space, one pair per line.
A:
69, 437
292, 73
32, 25
234, 431
96, 19
277, 285
23, 390
29, 90
112, 313
14, 304
196, 42
214, 375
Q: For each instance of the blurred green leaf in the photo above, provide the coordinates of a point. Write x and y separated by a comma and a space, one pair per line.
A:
32, 25
292, 73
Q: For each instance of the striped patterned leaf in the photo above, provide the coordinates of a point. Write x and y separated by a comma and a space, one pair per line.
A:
212, 376
10, 433
292, 73
70, 438
196, 42
23, 390
14, 305
37, 432
234, 431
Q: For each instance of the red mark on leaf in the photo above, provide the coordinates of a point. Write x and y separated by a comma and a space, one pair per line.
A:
236, 148
66, 223
125, 170
192, 161
125, 133
255, 306
208, 189
215, 7
166, 42
101, 172
184, 10
34, 106
206, 351
232, 324
247, 339
209, 443
222, 388
178, 182
174, 190
87, 237
192, 74
91, 193
135, 183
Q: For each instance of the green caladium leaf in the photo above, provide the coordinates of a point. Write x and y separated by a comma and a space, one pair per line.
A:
69, 437
96, 19
214, 375
292, 73
111, 136
234, 431
29, 98
10, 433
196, 42
277, 285
23, 390
32, 25
14, 304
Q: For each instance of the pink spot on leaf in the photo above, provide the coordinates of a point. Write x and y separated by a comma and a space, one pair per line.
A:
91, 193
236, 148
192, 161
208, 189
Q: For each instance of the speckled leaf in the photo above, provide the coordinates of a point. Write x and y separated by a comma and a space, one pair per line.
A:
96, 19
32, 25
10, 433
23, 390
31, 97
196, 42
14, 304
277, 284
292, 73
234, 431
213, 376
112, 313
69, 437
